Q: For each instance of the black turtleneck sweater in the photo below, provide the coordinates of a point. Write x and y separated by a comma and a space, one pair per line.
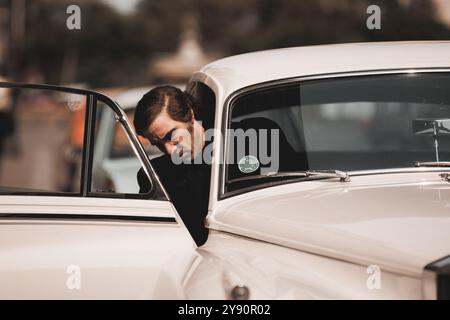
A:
188, 188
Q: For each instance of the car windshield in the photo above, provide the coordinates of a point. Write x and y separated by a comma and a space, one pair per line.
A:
343, 123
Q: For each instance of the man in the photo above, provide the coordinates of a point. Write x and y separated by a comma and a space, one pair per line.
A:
165, 116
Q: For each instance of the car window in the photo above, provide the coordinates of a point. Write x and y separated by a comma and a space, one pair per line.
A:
349, 124
41, 141
121, 145
115, 165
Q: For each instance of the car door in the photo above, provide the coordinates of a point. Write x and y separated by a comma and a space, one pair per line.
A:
65, 231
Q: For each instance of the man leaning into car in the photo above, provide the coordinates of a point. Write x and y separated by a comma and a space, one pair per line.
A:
170, 119
165, 116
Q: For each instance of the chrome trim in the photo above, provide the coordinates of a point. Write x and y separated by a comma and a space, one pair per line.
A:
279, 82
433, 164
138, 148
398, 170
88, 145
343, 176
85, 217
240, 292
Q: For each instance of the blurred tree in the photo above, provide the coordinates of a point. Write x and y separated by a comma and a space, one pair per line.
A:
266, 24
113, 48
408, 20
106, 50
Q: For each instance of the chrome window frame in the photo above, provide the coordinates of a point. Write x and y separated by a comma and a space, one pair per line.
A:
229, 101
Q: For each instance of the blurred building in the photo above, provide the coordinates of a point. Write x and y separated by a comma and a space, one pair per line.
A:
12, 35
190, 56
443, 10
4, 37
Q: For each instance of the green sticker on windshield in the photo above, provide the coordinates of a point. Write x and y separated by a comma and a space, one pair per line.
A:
248, 164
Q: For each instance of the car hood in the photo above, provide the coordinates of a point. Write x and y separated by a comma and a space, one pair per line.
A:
399, 222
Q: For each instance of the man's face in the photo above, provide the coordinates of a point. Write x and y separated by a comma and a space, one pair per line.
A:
172, 136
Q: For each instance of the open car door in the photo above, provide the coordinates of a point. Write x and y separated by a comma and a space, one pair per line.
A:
66, 231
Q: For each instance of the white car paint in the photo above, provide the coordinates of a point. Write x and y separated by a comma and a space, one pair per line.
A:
272, 271
369, 220
237, 72
117, 259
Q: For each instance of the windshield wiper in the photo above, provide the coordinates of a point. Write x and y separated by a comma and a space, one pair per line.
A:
433, 164
343, 176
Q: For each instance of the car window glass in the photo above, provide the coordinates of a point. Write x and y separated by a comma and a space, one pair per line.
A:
367, 123
41, 141
121, 145
348, 124
115, 165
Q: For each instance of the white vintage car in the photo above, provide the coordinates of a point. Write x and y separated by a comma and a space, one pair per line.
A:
362, 213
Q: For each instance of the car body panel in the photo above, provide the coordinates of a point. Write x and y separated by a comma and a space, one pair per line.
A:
42, 238
369, 220
270, 271
240, 71
115, 260
90, 205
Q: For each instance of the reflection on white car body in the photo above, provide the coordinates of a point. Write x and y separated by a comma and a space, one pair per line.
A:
385, 234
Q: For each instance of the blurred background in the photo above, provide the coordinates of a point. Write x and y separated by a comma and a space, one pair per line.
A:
124, 47
137, 42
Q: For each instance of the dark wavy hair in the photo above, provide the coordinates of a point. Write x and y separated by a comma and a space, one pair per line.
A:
178, 104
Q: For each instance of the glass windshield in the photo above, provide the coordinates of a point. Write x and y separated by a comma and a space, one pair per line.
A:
348, 124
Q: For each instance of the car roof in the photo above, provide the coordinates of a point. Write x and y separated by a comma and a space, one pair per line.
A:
235, 72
